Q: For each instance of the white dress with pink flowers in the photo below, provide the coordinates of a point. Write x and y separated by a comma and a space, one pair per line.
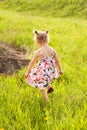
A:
44, 72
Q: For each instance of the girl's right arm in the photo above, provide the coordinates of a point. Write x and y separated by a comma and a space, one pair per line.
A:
31, 64
57, 61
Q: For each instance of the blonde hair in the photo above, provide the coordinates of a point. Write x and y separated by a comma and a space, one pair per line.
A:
41, 37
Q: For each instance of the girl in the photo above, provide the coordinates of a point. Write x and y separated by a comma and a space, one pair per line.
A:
45, 71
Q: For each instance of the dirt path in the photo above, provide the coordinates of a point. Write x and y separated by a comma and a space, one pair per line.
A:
11, 59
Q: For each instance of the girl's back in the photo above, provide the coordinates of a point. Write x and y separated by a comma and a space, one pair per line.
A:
47, 51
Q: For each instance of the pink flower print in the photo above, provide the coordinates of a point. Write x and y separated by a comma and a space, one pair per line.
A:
37, 79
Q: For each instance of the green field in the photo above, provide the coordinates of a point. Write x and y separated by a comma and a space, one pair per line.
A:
21, 106
53, 8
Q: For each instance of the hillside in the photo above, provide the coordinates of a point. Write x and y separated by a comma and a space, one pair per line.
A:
11, 59
54, 8
21, 106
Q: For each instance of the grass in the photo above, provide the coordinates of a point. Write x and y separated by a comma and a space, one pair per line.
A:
57, 8
21, 106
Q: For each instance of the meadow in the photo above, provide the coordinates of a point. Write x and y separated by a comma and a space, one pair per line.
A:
21, 106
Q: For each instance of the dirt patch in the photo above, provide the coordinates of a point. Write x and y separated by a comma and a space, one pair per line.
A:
11, 59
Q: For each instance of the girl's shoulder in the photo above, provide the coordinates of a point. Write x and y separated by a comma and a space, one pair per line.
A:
52, 50
38, 52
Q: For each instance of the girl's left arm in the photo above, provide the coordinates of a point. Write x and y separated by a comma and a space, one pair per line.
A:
32, 62
57, 61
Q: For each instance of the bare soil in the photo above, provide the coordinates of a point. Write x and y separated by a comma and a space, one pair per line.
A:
11, 59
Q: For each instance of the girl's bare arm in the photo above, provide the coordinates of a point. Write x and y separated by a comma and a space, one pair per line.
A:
57, 61
32, 62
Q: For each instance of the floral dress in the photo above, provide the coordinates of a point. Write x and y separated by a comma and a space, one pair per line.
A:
43, 73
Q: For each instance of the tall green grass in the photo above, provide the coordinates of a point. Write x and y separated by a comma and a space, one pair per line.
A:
54, 8
21, 106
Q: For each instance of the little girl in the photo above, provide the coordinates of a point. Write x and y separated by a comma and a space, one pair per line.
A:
45, 70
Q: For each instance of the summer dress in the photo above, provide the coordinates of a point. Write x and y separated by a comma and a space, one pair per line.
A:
44, 72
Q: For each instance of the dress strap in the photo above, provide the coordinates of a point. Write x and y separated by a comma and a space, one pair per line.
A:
40, 53
52, 53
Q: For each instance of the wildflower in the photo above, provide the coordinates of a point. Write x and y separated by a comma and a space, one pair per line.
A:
46, 118
1, 128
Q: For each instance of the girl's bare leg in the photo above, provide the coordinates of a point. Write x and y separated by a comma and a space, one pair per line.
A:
44, 94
